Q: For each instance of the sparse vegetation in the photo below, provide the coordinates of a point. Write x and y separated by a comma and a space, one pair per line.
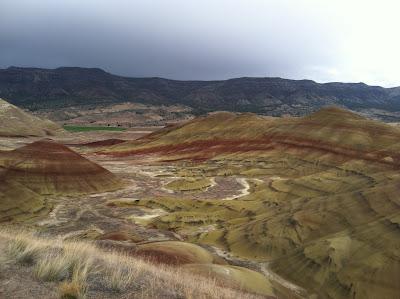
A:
72, 290
52, 268
22, 251
77, 287
119, 273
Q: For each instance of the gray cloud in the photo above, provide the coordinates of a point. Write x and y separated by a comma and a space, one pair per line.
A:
189, 39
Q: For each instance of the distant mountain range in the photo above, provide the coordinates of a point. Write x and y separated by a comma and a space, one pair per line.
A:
36, 89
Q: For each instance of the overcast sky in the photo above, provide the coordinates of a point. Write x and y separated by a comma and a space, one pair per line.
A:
323, 40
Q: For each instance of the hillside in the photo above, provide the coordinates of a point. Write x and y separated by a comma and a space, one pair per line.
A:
16, 122
320, 205
51, 168
30, 173
291, 207
73, 269
329, 131
49, 89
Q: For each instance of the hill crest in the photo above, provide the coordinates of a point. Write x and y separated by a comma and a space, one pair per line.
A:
331, 130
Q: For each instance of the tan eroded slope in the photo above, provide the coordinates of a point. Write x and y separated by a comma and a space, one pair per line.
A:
16, 122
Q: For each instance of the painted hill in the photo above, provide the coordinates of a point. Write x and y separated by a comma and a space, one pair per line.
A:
330, 131
30, 173
323, 209
47, 167
16, 122
36, 88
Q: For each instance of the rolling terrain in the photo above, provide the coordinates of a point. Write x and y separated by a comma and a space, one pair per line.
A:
322, 210
290, 207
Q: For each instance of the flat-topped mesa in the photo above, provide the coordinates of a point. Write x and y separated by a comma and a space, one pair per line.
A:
331, 130
16, 122
47, 167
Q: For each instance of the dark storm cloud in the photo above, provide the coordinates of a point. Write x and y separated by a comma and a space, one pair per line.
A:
208, 39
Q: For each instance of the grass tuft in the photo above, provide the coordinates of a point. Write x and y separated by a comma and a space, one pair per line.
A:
58, 267
22, 251
71, 290
77, 287
120, 275
52, 269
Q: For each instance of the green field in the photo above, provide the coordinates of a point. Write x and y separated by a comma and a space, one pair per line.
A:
88, 129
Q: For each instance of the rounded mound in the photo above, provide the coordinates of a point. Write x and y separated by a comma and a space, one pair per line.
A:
235, 276
175, 253
47, 167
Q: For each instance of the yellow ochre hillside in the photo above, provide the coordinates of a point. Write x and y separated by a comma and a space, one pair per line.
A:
330, 131
322, 208
16, 122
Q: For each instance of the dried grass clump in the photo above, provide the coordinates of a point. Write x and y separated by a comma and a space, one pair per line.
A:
52, 268
22, 250
69, 290
63, 264
73, 289
76, 288
120, 274
81, 267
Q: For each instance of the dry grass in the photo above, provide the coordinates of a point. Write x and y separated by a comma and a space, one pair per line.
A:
23, 251
72, 263
120, 273
77, 287
72, 290
52, 269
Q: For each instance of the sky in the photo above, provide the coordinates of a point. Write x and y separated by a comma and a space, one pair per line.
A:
322, 40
